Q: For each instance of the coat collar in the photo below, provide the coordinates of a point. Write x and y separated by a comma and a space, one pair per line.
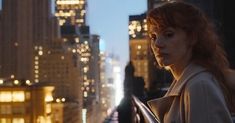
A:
160, 105
190, 71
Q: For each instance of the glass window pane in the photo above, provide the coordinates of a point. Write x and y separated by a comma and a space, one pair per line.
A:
18, 120
5, 120
18, 109
5, 96
5, 109
18, 96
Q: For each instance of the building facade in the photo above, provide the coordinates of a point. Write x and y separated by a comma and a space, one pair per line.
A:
71, 12
24, 25
22, 102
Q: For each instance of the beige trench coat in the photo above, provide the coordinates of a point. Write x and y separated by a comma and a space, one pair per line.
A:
195, 98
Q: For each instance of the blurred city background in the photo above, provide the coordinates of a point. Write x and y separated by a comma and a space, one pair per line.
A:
54, 70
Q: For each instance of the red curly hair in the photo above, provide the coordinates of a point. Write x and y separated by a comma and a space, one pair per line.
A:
207, 50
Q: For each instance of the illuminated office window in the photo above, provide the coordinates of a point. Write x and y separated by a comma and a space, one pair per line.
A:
18, 96
5, 120
5, 96
18, 120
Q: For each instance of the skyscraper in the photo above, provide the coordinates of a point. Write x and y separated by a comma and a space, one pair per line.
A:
139, 49
71, 12
24, 24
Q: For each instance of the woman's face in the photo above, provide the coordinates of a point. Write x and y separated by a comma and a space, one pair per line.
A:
170, 47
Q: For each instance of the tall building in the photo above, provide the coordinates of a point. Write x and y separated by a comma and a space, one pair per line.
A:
24, 24
139, 46
71, 12
107, 90
31, 48
86, 47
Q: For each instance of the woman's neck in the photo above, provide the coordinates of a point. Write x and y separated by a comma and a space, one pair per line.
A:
177, 70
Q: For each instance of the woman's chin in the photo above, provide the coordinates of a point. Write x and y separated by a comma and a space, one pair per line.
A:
163, 64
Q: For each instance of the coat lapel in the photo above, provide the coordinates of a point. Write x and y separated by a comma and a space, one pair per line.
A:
161, 105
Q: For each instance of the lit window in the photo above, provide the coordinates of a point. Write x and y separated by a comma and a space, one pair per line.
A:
40, 47
1, 81
62, 57
85, 69
40, 53
85, 94
18, 120
57, 100
48, 98
5, 120
16, 44
36, 57
36, 47
48, 108
36, 71
28, 82
36, 76
5, 96
63, 99
36, 62
16, 82
12, 76
18, 96
65, 39
77, 40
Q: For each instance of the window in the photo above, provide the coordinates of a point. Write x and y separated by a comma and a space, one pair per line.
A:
5, 96
18, 120
5, 109
18, 96
5, 120
18, 109
15, 96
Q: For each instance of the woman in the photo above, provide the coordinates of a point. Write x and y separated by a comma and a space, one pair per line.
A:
184, 42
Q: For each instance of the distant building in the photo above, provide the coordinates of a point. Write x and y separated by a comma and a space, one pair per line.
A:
24, 102
139, 46
86, 48
71, 12
111, 84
